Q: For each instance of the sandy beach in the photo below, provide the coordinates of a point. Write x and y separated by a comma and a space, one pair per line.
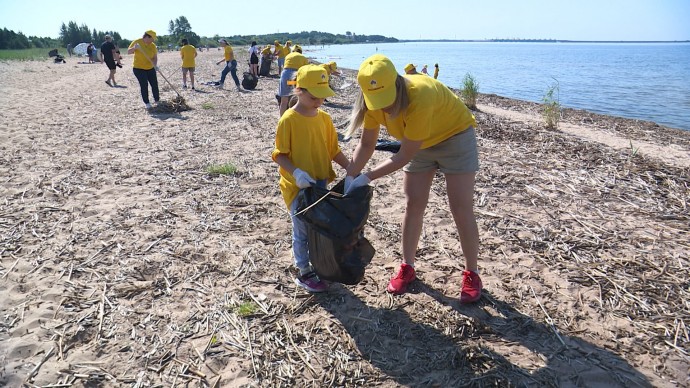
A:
123, 263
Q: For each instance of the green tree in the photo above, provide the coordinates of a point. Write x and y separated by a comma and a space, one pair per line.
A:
180, 29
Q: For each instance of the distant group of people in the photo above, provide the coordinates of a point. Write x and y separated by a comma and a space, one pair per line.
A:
412, 69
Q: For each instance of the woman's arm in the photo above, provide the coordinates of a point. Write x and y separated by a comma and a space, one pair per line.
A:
408, 148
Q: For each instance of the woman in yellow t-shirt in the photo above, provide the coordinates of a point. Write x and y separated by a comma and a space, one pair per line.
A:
293, 62
230, 65
188, 54
436, 131
145, 64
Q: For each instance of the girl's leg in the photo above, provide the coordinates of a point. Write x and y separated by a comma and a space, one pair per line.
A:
460, 188
300, 241
143, 84
417, 186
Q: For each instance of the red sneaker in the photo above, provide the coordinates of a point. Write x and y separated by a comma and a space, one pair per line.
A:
471, 287
400, 281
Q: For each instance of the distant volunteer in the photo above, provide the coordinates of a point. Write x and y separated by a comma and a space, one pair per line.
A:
145, 64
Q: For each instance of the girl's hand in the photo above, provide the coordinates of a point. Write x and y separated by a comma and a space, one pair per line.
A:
302, 178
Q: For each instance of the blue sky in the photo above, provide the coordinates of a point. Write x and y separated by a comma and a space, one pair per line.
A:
441, 19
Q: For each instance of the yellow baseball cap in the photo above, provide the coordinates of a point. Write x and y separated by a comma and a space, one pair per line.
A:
377, 77
151, 33
333, 66
297, 49
409, 67
315, 79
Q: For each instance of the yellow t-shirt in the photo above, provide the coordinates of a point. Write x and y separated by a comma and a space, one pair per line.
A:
188, 53
229, 55
295, 61
285, 51
327, 67
140, 61
279, 50
310, 143
435, 114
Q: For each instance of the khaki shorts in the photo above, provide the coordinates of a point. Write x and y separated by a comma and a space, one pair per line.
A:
186, 69
455, 155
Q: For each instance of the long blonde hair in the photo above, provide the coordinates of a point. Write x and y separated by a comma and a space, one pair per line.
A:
359, 109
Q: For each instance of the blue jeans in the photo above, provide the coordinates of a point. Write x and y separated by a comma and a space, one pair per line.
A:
232, 68
300, 234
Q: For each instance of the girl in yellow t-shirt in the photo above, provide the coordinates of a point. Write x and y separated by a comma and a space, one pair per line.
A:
145, 64
436, 131
306, 145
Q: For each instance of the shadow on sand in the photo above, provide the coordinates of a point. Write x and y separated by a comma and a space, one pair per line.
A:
453, 353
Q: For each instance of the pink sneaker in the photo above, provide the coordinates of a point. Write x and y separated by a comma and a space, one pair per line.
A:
471, 287
405, 276
311, 282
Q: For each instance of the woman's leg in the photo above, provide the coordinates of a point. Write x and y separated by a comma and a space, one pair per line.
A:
460, 188
225, 72
143, 84
153, 80
233, 72
417, 186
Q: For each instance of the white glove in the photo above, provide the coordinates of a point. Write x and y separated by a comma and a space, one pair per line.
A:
302, 179
156, 68
348, 182
361, 180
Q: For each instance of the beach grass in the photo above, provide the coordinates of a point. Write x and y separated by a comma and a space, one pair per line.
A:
552, 107
221, 169
246, 308
470, 91
32, 54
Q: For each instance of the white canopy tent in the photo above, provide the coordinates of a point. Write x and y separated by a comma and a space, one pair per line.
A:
80, 49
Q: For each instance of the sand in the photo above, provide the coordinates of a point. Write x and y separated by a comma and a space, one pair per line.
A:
124, 263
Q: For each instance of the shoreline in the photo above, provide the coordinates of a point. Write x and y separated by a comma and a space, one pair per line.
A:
123, 261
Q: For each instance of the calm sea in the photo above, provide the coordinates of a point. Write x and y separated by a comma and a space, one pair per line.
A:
648, 81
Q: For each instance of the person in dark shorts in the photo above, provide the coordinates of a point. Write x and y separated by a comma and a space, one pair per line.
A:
254, 59
108, 56
89, 51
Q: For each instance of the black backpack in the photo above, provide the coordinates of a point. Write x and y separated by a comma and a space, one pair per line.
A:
249, 81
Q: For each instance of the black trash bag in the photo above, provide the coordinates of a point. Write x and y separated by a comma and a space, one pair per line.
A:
338, 250
265, 69
249, 81
387, 145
